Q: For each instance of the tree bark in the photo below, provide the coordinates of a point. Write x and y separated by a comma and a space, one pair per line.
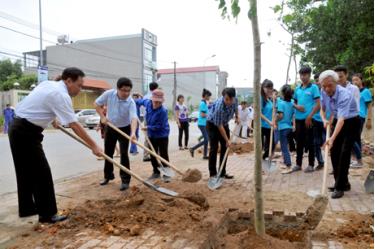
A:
259, 212
295, 68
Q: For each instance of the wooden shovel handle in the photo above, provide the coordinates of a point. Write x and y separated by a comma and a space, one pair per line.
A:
145, 148
74, 136
325, 171
224, 160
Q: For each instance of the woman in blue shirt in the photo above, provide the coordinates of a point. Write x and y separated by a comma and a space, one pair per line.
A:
266, 115
157, 129
202, 120
285, 115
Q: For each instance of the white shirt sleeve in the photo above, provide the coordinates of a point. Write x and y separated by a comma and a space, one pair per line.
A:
61, 106
132, 110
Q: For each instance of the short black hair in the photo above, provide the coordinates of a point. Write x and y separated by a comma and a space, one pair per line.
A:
287, 92
73, 73
229, 91
305, 70
206, 92
123, 81
153, 85
8, 104
179, 97
341, 68
316, 76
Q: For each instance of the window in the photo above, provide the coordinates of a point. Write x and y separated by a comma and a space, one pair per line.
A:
147, 80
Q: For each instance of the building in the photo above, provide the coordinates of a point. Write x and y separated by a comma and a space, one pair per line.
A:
245, 94
190, 83
12, 97
107, 59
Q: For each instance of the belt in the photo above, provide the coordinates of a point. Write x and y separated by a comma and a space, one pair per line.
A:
27, 124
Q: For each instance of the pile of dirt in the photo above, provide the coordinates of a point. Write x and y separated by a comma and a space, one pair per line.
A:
131, 214
241, 148
357, 228
316, 211
192, 175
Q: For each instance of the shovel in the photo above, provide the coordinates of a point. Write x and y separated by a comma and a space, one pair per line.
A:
164, 170
217, 181
270, 166
369, 183
148, 184
145, 148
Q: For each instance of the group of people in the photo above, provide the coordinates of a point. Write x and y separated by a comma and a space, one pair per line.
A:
302, 115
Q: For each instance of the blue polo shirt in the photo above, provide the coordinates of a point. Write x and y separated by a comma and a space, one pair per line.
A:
306, 96
120, 112
342, 104
364, 100
287, 109
266, 109
203, 108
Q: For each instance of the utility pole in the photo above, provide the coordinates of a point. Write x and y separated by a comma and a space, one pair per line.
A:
41, 62
174, 86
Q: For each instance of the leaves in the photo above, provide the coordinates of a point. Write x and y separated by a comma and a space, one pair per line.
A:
11, 72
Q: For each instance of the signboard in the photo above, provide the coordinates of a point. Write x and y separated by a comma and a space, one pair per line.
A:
42, 73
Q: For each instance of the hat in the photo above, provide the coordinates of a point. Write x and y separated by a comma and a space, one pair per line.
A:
157, 95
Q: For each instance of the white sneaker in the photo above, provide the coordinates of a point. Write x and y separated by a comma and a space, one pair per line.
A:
356, 164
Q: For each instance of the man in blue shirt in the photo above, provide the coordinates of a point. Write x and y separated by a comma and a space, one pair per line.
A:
219, 115
344, 114
122, 113
307, 103
364, 104
133, 146
8, 117
152, 87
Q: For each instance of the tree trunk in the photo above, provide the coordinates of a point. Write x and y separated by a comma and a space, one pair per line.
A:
259, 212
295, 68
290, 60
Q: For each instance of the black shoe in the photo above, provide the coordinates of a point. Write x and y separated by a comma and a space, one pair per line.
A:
319, 167
205, 158
347, 188
106, 181
337, 194
147, 159
226, 176
191, 152
52, 219
124, 186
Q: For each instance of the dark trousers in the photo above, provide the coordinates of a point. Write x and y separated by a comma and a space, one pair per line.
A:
305, 139
341, 151
319, 139
161, 147
183, 129
357, 148
266, 136
204, 143
110, 140
214, 137
36, 194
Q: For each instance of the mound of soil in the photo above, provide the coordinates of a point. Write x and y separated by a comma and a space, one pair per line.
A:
357, 228
192, 175
241, 148
131, 214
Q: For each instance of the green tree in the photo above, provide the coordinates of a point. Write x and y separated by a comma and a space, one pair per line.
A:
9, 69
25, 82
258, 188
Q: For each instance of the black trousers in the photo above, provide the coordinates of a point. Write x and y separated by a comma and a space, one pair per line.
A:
266, 137
305, 139
214, 137
341, 151
161, 147
36, 194
110, 140
183, 129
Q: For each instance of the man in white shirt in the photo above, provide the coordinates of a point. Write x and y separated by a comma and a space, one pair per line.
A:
243, 114
48, 101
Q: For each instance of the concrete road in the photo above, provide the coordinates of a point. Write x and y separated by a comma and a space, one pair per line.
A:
68, 158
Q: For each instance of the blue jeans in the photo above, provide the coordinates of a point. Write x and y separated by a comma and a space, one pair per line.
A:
133, 146
283, 135
357, 148
204, 142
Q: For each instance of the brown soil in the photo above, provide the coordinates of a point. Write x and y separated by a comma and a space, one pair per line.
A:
316, 211
242, 148
351, 229
192, 175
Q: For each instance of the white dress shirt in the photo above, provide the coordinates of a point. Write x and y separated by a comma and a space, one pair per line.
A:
50, 99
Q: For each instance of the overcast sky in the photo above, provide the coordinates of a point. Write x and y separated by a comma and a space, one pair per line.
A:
189, 31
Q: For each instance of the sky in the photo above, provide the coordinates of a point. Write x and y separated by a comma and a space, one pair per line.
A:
188, 31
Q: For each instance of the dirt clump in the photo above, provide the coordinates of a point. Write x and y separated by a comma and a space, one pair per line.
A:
315, 212
197, 198
241, 148
192, 175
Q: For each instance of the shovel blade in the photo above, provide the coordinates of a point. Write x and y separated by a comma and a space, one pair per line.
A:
269, 166
215, 183
166, 171
369, 183
162, 190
